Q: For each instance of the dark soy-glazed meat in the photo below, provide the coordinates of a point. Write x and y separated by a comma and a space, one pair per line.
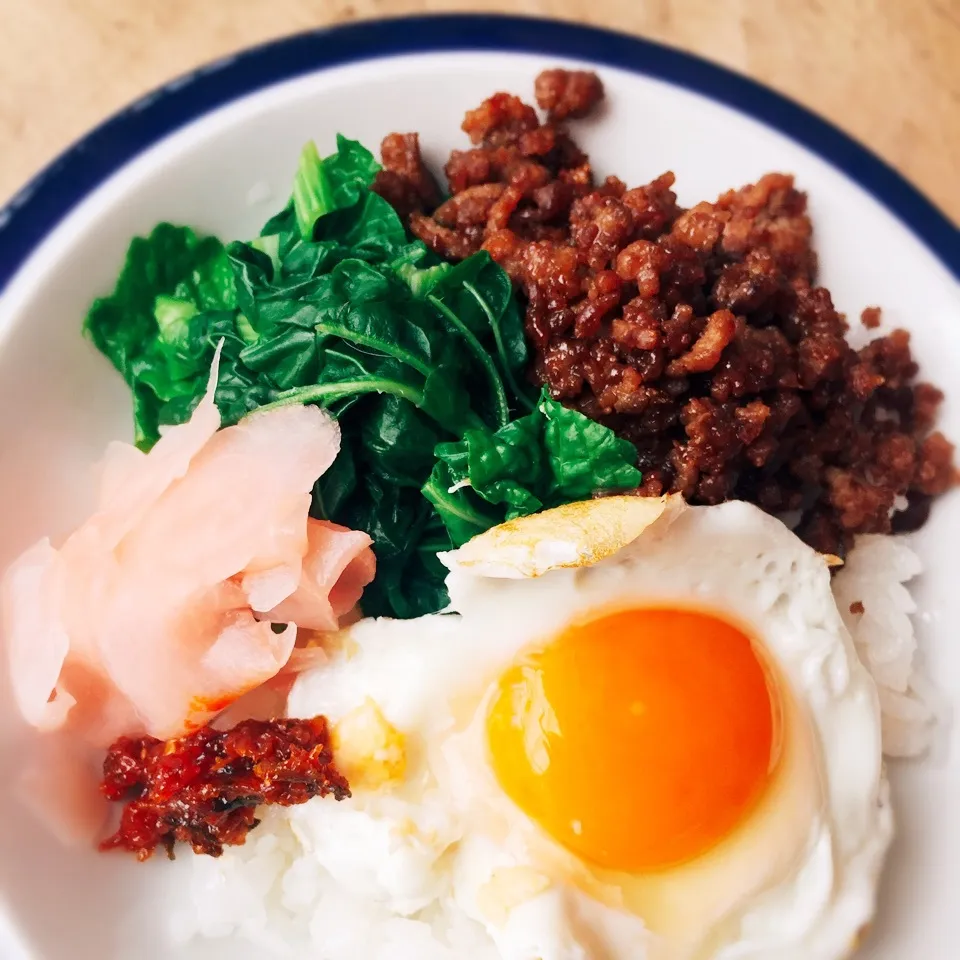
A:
204, 788
699, 334
405, 180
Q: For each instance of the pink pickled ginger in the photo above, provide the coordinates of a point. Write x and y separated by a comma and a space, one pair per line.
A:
160, 610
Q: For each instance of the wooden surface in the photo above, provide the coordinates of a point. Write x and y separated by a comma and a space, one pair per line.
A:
887, 71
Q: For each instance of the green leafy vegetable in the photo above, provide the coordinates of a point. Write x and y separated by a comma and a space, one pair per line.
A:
422, 362
312, 193
549, 457
481, 294
336, 183
172, 262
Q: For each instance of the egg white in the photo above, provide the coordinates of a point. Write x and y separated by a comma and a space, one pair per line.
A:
444, 845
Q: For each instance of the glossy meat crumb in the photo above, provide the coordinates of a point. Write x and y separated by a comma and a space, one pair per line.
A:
405, 180
204, 788
699, 334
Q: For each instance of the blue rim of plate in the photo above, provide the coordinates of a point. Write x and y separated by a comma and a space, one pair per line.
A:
40, 206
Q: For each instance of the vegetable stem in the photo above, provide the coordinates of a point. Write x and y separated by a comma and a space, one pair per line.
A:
328, 392
502, 407
449, 505
312, 194
375, 343
521, 395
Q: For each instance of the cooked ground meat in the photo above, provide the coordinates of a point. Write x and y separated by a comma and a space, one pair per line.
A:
699, 334
405, 180
204, 788
565, 94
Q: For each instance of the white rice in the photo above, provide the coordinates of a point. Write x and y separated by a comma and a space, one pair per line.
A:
874, 578
271, 892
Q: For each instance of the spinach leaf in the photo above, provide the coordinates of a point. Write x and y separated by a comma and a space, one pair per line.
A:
172, 262
312, 191
549, 457
585, 456
397, 440
332, 491
351, 170
421, 280
501, 407
324, 186
370, 230
369, 309
253, 270
463, 515
410, 578
289, 357
480, 293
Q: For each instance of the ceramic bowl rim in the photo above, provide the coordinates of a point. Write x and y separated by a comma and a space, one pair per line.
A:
40, 206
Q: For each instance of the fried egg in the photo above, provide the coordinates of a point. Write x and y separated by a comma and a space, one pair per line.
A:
643, 733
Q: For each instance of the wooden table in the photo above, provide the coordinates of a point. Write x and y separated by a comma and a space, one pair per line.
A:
887, 71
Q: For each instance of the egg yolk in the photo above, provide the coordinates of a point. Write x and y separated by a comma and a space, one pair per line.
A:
639, 739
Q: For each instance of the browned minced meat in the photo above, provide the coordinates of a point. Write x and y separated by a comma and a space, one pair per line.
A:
404, 180
204, 788
699, 334
870, 317
568, 94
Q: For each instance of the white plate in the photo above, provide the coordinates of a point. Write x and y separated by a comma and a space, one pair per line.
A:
227, 170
